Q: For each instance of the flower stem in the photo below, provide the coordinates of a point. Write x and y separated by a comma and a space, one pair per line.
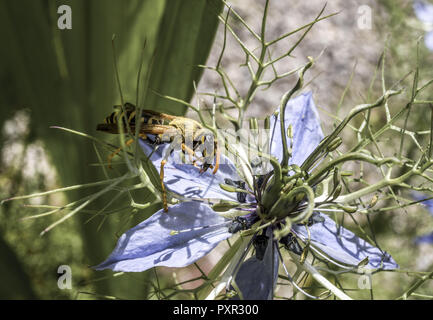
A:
283, 105
323, 281
358, 109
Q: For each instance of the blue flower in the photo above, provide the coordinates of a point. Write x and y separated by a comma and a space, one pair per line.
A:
191, 229
424, 12
428, 238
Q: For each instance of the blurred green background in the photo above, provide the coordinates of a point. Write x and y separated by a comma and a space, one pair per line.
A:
52, 77
66, 78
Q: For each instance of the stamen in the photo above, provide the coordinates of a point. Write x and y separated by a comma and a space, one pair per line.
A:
243, 223
315, 218
324, 257
260, 243
241, 196
291, 244
330, 210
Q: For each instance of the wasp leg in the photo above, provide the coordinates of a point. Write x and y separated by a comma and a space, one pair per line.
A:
190, 152
217, 158
164, 192
206, 165
117, 151
161, 174
168, 152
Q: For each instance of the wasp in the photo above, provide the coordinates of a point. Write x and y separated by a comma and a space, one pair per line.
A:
158, 128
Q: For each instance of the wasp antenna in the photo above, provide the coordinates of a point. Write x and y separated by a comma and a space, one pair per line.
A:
217, 158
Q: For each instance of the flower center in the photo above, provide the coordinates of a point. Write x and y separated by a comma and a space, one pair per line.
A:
281, 198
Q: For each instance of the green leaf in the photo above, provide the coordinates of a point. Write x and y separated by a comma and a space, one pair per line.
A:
15, 281
180, 50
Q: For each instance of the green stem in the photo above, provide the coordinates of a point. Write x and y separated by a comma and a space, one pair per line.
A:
283, 105
382, 184
323, 281
358, 109
415, 286
350, 157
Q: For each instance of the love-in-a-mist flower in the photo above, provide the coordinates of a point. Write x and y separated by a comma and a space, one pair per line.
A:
428, 203
424, 12
279, 207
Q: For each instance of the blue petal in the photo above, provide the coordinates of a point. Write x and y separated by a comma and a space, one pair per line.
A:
344, 246
428, 40
302, 114
428, 238
255, 278
423, 11
428, 203
186, 180
151, 243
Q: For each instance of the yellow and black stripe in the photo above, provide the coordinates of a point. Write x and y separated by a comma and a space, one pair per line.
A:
128, 115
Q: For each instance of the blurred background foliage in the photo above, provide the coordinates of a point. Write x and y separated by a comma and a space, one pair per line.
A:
66, 78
